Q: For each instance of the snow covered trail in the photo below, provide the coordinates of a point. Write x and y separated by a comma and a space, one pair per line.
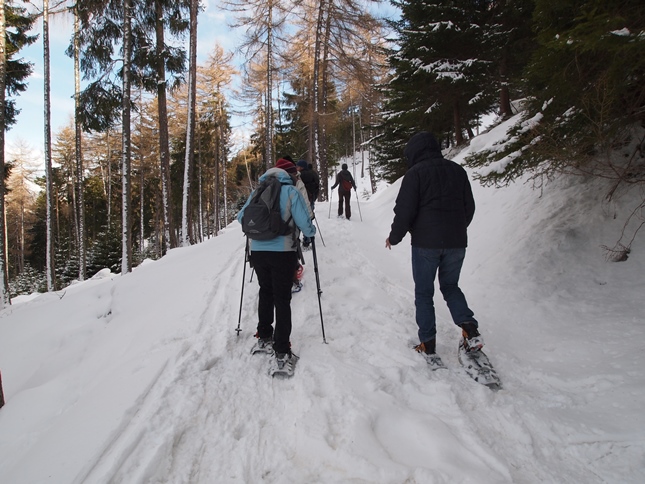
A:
142, 378
363, 408
344, 415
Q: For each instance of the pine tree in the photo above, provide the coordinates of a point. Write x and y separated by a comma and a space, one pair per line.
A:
587, 85
186, 213
441, 77
14, 25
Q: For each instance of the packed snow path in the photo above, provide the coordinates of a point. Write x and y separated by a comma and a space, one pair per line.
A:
142, 378
363, 408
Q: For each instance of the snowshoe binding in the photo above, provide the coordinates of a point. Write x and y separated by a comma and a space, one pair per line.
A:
283, 365
297, 287
263, 345
427, 350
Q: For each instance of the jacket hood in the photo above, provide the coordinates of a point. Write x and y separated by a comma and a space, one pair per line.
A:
282, 175
421, 146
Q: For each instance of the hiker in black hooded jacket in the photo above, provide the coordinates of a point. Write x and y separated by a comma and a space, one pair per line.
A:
345, 183
435, 204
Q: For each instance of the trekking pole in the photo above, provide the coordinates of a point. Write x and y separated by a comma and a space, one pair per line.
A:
359, 205
1, 393
319, 232
322, 324
246, 258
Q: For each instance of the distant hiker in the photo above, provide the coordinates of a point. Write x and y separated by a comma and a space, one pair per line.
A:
290, 168
435, 204
274, 261
311, 181
345, 183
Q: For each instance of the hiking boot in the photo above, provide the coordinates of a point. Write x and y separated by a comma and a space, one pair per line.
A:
428, 347
472, 341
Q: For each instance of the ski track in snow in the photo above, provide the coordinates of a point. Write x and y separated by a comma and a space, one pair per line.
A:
298, 428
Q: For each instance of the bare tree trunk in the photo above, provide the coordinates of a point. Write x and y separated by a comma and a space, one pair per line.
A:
200, 201
169, 237
142, 179
50, 274
315, 97
362, 136
126, 215
4, 287
269, 91
80, 198
186, 226
353, 137
459, 136
109, 181
505, 109
216, 188
222, 148
324, 77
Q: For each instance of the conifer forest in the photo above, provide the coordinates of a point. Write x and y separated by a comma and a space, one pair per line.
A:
153, 157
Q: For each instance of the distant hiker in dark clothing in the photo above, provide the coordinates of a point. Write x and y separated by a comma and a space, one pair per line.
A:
435, 204
345, 183
274, 261
311, 180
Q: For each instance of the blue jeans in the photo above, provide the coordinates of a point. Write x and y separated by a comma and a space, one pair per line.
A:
425, 263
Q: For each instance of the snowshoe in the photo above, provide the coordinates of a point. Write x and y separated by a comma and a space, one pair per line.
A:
479, 367
284, 364
434, 362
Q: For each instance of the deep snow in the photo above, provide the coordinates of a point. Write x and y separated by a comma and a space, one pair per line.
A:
142, 379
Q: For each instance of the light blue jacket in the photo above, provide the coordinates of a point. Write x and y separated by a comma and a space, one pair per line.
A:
293, 204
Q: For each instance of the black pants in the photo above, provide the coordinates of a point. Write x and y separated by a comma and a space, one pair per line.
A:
343, 199
275, 276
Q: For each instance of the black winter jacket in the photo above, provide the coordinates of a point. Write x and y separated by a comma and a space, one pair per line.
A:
435, 202
312, 183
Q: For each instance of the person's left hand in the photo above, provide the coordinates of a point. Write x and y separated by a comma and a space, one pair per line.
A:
387, 244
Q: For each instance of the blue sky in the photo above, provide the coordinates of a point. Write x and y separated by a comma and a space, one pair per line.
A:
212, 28
29, 129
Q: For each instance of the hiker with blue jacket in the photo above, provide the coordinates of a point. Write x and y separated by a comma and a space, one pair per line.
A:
274, 261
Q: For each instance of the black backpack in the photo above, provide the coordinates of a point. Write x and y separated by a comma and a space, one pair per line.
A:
262, 219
